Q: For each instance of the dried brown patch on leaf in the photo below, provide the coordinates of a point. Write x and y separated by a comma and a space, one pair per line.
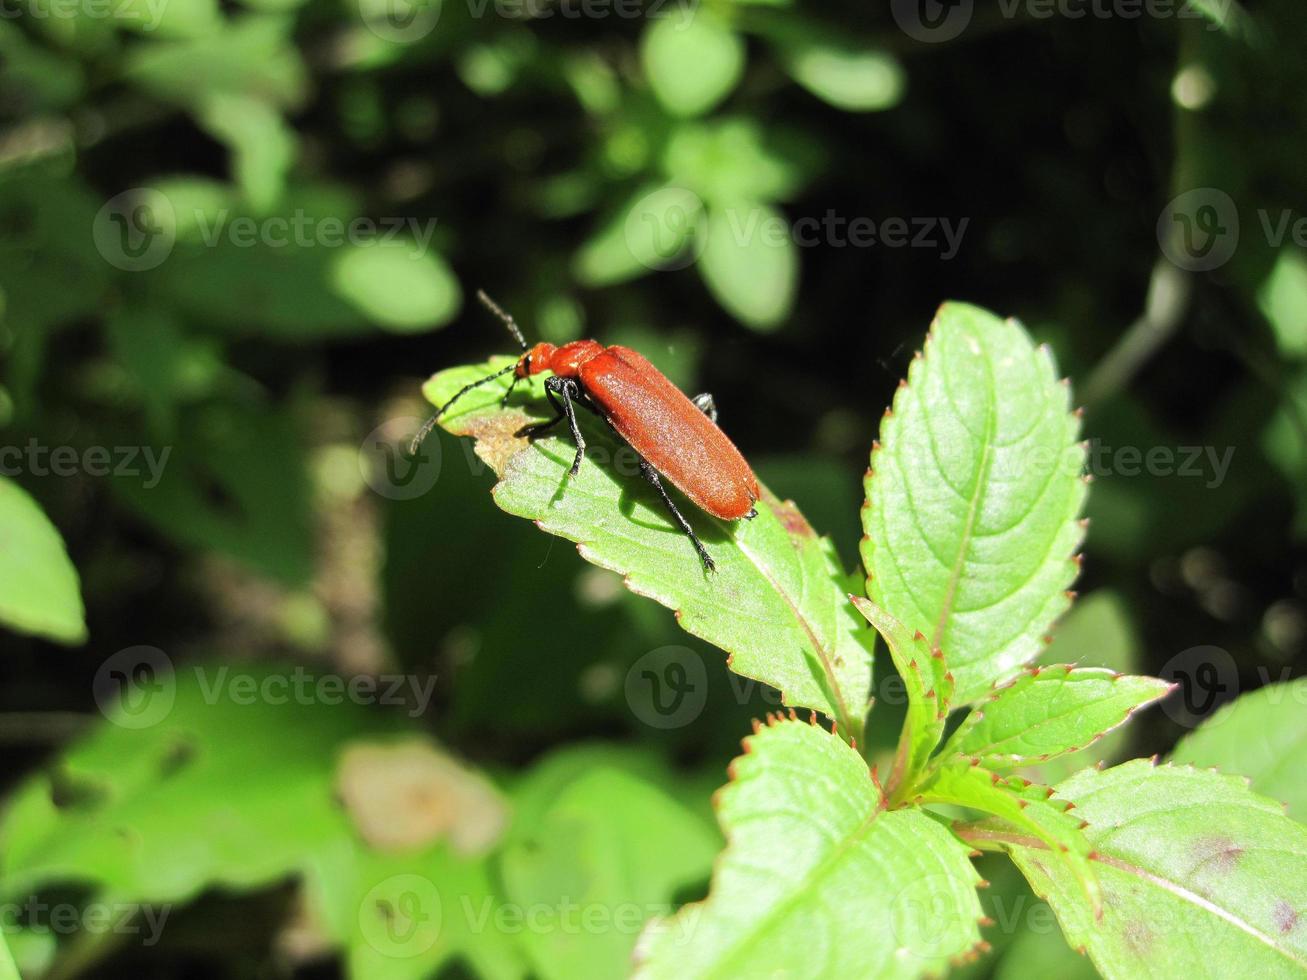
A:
498, 436
405, 796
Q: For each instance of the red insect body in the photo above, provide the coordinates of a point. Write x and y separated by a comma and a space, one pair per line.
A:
658, 421
674, 436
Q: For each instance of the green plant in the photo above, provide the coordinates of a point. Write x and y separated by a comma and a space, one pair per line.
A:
972, 524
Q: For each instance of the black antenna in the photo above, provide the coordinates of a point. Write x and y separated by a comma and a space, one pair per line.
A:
507, 319
512, 326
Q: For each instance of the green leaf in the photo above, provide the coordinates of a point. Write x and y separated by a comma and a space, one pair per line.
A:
39, 590
851, 77
778, 602
610, 849
194, 18
1050, 711
657, 228
252, 55
750, 264
197, 204
8, 969
1020, 804
410, 887
819, 879
166, 367
1261, 735
399, 285
1049, 949
1097, 632
281, 284
1228, 15
972, 498
1283, 301
736, 158
261, 143
1201, 877
47, 79
235, 482
929, 688
405, 917
182, 771
692, 64
274, 6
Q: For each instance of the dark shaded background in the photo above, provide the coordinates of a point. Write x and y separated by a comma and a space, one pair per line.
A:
1060, 140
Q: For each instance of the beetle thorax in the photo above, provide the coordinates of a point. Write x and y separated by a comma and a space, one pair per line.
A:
564, 361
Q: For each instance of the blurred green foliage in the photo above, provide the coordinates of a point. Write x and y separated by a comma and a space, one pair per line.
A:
234, 237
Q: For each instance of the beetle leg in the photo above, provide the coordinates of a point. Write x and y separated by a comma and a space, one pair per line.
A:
705, 403
567, 389
652, 476
561, 391
540, 428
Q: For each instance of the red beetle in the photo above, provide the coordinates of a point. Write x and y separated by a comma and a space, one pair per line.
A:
674, 436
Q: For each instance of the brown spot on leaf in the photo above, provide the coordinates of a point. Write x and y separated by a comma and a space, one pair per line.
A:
1219, 853
1138, 937
1286, 917
795, 524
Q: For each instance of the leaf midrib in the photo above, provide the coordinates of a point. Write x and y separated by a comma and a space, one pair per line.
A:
818, 871
973, 508
840, 705
848, 723
1198, 901
995, 746
1171, 887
